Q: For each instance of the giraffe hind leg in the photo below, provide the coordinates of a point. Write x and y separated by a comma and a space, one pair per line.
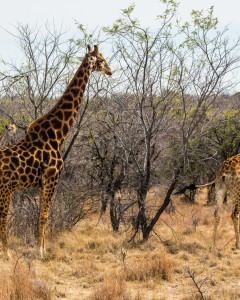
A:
235, 219
46, 193
221, 191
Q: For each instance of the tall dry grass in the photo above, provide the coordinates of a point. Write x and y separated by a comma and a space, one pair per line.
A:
20, 283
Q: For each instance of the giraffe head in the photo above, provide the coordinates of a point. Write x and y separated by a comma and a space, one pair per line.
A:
96, 60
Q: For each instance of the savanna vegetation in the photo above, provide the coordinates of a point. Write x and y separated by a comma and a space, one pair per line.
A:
169, 116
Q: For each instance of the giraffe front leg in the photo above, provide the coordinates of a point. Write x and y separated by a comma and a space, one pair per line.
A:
235, 219
4, 206
46, 197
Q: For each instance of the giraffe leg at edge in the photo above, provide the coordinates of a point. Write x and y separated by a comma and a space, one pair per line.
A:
235, 219
4, 206
221, 190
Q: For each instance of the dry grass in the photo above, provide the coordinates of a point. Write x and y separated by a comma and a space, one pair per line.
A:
150, 266
21, 283
91, 262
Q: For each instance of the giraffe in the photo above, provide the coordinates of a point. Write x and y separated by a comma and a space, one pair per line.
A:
227, 180
7, 138
36, 160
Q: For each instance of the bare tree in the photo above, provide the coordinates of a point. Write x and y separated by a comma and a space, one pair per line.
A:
38, 78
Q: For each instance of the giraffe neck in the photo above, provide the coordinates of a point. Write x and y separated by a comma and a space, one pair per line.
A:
58, 121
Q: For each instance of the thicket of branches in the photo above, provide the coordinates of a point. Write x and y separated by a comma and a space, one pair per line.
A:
164, 118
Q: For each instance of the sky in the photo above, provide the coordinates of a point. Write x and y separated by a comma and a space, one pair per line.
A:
98, 13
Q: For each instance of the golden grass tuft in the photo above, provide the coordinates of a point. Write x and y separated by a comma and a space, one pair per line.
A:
20, 283
114, 287
151, 266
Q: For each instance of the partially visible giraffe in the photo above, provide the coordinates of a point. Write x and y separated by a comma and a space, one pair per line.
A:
36, 160
227, 180
8, 137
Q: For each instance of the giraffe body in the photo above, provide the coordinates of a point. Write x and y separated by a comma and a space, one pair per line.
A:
36, 160
227, 180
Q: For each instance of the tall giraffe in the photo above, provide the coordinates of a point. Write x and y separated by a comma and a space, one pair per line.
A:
227, 180
7, 138
36, 160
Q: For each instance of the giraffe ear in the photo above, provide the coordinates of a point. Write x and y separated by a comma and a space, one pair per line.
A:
80, 58
89, 48
96, 50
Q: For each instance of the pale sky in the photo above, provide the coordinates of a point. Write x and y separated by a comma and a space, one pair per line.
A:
99, 13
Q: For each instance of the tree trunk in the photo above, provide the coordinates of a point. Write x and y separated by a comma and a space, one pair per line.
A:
114, 213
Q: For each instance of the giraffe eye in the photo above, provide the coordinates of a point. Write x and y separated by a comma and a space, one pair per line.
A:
100, 60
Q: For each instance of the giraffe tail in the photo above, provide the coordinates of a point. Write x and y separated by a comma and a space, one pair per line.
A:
193, 187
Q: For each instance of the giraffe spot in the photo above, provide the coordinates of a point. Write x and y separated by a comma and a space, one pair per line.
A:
67, 115
34, 172
26, 154
36, 164
83, 85
21, 170
53, 162
38, 155
27, 170
59, 135
15, 161
76, 103
37, 128
27, 138
46, 156
56, 123
38, 144
81, 93
33, 136
75, 82
11, 166
31, 177
23, 178
5, 160
80, 73
65, 129
71, 122
67, 105
53, 154
75, 91
43, 135
85, 77
47, 147
54, 144
22, 157
7, 152
51, 134
45, 125
32, 150
59, 164
30, 161
59, 115
68, 97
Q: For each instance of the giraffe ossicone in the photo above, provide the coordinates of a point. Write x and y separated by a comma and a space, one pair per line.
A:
36, 160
